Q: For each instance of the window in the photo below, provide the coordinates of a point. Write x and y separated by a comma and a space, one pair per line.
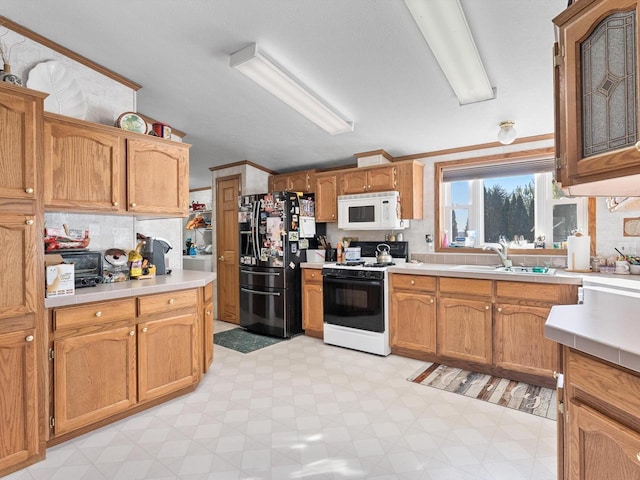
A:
513, 201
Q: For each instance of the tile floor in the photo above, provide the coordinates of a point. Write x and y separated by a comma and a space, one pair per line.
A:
303, 410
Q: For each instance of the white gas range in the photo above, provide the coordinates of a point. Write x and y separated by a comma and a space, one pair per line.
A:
355, 294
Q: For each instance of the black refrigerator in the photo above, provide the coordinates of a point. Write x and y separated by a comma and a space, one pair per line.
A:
274, 234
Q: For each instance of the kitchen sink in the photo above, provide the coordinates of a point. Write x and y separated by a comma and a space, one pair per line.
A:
516, 270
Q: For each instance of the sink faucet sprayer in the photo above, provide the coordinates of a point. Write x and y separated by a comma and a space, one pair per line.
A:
501, 250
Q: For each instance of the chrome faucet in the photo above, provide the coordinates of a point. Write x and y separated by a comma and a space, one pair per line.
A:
501, 250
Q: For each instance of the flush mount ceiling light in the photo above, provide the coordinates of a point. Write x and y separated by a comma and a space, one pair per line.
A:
445, 28
507, 133
266, 73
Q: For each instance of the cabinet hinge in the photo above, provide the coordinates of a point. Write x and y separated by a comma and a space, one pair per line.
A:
52, 422
561, 408
51, 354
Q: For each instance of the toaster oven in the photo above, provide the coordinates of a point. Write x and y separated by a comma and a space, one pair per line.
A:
87, 267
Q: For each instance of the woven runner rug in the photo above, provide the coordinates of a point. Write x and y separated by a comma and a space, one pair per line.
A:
520, 396
243, 341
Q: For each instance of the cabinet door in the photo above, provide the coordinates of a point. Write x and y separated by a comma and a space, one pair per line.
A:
278, 183
464, 329
519, 341
326, 198
158, 177
19, 143
312, 303
167, 355
87, 386
19, 280
18, 398
382, 179
354, 181
600, 126
299, 182
600, 448
84, 167
412, 321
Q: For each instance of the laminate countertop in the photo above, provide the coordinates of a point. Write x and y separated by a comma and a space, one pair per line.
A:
178, 280
605, 325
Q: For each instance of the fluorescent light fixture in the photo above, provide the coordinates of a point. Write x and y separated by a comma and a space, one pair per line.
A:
445, 28
266, 73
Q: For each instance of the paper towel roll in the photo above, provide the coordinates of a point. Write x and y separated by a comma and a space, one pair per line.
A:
578, 249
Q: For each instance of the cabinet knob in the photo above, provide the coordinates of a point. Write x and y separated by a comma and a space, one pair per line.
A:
638, 146
29, 338
98, 313
313, 275
431, 300
115, 204
333, 215
638, 456
486, 307
29, 222
28, 190
144, 329
221, 258
413, 282
171, 301
208, 312
320, 290
133, 205
132, 333
499, 309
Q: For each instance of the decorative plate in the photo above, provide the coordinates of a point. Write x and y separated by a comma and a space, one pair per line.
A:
132, 122
65, 96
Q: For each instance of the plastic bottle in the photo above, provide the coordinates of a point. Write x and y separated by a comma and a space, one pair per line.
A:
445, 240
429, 240
339, 253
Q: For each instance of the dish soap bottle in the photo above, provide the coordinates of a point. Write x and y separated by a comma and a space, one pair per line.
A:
445, 240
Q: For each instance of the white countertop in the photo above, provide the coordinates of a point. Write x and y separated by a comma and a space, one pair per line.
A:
178, 280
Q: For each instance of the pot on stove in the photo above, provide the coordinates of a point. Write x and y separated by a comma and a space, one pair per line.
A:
383, 255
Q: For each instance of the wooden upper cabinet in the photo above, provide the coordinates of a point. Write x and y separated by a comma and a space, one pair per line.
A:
326, 197
157, 177
294, 182
377, 179
20, 114
410, 185
597, 93
19, 439
84, 166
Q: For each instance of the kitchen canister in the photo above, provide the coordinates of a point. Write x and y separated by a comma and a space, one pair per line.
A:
578, 253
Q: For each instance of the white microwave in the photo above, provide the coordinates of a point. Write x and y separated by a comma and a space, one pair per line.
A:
370, 211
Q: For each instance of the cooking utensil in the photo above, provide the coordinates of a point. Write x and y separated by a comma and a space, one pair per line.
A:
383, 255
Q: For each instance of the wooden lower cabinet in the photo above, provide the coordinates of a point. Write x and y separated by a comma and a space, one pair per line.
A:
464, 329
312, 303
601, 423
412, 313
94, 377
19, 438
109, 359
520, 342
167, 356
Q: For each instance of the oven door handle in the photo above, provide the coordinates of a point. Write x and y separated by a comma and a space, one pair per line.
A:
351, 281
257, 292
264, 274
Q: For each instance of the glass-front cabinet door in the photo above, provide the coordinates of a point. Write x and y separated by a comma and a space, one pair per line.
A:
597, 92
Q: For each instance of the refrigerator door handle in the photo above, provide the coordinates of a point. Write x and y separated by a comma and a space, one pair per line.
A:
257, 292
254, 230
264, 274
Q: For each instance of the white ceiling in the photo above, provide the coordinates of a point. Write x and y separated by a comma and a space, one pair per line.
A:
365, 57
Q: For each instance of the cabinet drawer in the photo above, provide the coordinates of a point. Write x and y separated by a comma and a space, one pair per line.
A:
465, 286
413, 282
167, 302
602, 380
208, 292
311, 275
103, 312
539, 292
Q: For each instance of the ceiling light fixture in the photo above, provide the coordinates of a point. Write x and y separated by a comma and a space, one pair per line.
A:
507, 133
445, 28
266, 73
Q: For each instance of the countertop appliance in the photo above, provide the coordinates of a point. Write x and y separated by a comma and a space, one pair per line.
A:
355, 295
371, 211
155, 250
87, 266
271, 249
